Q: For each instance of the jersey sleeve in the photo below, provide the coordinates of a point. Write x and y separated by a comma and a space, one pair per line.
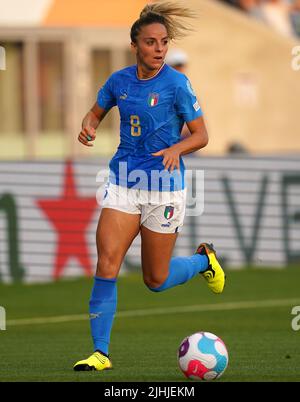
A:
186, 103
106, 98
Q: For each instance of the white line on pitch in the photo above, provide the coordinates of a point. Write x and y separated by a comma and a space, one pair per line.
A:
161, 311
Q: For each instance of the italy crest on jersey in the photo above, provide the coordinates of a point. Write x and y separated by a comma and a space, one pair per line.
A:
153, 99
169, 211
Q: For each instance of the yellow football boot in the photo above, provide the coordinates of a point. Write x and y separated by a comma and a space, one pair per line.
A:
97, 361
214, 274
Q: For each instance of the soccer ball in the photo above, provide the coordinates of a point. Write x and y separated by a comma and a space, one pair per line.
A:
202, 356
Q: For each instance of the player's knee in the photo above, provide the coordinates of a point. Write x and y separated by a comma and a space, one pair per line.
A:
107, 266
154, 283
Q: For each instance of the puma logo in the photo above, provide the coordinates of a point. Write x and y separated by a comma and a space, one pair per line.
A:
94, 315
209, 273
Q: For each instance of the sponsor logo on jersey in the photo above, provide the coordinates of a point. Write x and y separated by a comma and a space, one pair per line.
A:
153, 99
169, 212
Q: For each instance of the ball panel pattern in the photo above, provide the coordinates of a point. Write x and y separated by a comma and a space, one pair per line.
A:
202, 356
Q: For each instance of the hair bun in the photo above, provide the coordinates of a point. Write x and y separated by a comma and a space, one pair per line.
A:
149, 9
145, 11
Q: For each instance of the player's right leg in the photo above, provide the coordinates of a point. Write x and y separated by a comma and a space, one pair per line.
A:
115, 233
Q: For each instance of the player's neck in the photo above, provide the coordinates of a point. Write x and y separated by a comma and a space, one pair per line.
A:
144, 74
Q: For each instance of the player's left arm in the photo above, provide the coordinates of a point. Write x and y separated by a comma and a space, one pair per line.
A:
197, 140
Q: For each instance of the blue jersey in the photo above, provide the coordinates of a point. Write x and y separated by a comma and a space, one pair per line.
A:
152, 113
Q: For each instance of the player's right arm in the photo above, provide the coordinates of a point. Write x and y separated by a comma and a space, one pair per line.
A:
105, 101
90, 124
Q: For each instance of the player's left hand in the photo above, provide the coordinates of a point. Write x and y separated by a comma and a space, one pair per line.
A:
170, 158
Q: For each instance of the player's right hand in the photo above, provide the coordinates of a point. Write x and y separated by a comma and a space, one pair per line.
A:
86, 135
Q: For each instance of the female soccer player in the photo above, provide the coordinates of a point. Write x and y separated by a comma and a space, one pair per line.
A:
146, 192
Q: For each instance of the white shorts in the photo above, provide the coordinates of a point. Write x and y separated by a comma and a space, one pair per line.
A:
161, 211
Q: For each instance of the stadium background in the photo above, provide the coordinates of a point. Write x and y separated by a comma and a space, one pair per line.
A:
58, 53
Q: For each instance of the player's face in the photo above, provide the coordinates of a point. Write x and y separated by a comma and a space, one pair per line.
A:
151, 46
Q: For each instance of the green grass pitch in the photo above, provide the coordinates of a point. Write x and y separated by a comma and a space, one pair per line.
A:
261, 343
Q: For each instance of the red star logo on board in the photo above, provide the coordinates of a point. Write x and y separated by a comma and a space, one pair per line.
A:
70, 216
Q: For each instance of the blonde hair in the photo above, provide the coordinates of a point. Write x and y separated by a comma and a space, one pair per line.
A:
169, 13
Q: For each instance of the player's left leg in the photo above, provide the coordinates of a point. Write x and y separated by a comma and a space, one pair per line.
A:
161, 220
157, 249
162, 272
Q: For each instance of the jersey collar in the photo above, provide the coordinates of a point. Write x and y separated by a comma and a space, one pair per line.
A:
150, 78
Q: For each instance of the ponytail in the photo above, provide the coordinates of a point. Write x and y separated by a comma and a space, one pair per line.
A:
168, 13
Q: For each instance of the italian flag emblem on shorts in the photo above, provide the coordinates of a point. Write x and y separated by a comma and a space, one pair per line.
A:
169, 211
153, 99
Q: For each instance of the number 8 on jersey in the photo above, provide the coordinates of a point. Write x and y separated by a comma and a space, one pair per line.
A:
135, 126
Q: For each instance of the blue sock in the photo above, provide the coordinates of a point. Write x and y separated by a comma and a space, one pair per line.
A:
103, 305
182, 269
